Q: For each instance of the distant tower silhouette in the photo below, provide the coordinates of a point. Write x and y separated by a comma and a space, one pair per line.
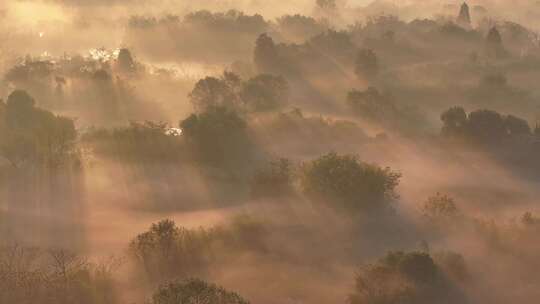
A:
464, 18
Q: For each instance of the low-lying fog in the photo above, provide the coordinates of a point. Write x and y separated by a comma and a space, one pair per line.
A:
311, 151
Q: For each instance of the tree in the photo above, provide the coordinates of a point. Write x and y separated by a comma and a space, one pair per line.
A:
166, 251
266, 56
30, 135
343, 182
218, 136
56, 276
440, 206
44, 169
327, 4
452, 264
408, 278
139, 142
233, 81
516, 126
30, 71
367, 64
382, 109
213, 92
464, 18
486, 126
274, 180
195, 291
494, 37
261, 93
372, 105
494, 44
265, 92
483, 126
455, 121
126, 63
454, 31
299, 28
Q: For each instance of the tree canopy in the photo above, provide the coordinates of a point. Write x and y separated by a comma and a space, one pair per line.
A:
195, 291
32, 136
483, 126
218, 136
263, 92
409, 278
367, 64
343, 182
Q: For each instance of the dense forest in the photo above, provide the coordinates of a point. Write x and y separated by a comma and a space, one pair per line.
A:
242, 151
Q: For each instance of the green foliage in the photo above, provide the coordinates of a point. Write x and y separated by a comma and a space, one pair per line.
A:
483, 126
29, 71
348, 184
453, 264
308, 134
232, 20
261, 93
213, 92
274, 180
380, 108
327, 4
167, 251
372, 104
193, 36
218, 137
367, 64
35, 137
338, 44
486, 125
146, 141
408, 278
265, 92
498, 91
299, 27
494, 45
455, 121
452, 30
195, 291
35, 276
266, 56
440, 206
494, 37
244, 233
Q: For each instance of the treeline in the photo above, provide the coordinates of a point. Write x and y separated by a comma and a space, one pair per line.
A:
178, 263
256, 136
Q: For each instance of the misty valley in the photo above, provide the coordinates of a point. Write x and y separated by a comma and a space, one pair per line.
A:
242, 151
